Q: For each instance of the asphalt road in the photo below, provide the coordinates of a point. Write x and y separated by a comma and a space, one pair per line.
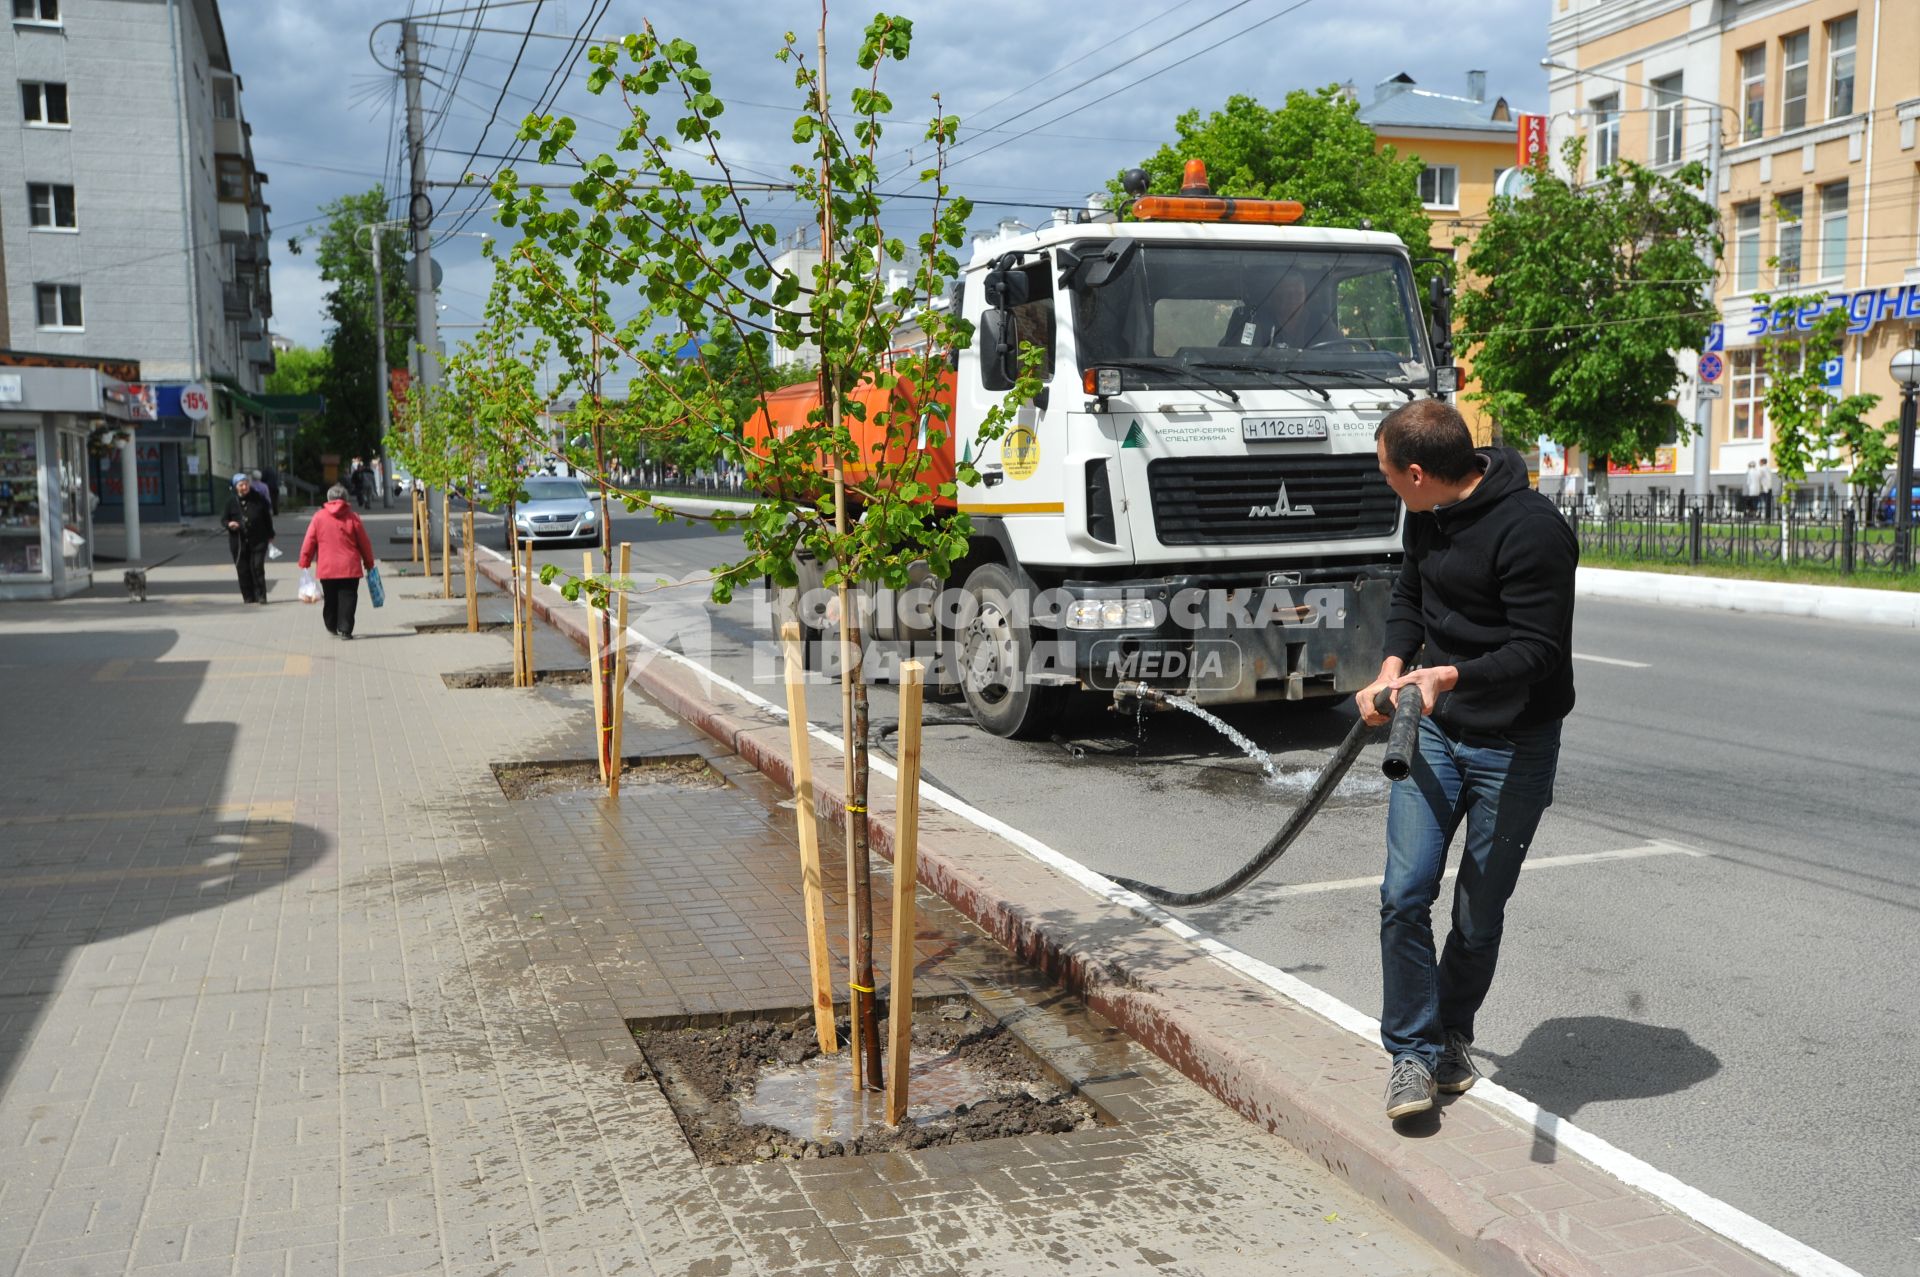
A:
1710, 959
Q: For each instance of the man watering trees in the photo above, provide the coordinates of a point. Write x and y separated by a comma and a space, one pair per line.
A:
1484, 605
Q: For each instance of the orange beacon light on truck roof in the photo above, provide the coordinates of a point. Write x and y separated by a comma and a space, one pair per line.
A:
1196, 202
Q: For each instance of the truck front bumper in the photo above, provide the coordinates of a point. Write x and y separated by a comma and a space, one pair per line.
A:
1214, 642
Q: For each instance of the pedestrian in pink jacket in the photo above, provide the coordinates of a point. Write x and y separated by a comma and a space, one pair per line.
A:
337, 543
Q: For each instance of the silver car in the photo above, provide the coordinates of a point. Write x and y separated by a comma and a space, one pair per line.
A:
556, 510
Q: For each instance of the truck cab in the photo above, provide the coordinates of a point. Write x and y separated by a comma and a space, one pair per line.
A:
1192, 503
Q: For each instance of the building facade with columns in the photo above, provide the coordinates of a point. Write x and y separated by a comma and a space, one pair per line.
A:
1816, 104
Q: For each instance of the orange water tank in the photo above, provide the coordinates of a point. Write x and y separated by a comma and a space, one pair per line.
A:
787, 409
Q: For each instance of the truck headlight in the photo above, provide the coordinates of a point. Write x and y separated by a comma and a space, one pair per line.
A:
1110, 614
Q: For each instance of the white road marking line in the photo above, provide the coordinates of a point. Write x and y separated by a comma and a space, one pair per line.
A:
1611, 660
1655, 848
1736, 1225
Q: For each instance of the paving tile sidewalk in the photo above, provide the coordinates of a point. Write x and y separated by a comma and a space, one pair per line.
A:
287, 985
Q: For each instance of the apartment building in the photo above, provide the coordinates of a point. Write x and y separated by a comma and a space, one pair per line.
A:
1816, 104
133, 226
1465, 143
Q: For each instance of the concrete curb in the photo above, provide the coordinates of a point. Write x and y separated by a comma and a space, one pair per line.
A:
1780, 598
1477, 1189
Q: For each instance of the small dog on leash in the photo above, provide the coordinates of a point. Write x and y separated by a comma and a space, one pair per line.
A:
135, 580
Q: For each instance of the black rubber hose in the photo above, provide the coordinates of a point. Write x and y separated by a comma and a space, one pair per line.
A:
1323, 786
1403, 735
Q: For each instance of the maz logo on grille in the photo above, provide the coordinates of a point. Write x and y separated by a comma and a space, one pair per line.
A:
1281, 508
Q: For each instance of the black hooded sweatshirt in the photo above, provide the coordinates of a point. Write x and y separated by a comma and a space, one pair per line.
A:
1487, 587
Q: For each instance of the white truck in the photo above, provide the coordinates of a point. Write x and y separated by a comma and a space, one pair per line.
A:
1192, 503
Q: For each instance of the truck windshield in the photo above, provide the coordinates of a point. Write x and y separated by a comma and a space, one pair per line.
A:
1255, 316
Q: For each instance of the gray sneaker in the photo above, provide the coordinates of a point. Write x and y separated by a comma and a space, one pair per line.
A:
1409, 1088
1456, 1072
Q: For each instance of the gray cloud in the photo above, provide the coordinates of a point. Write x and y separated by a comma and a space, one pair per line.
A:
325, 115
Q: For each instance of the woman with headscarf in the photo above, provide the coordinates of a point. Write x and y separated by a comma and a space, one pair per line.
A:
249, 521
339, 551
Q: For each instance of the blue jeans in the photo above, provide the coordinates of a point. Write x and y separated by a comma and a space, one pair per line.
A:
1498, 785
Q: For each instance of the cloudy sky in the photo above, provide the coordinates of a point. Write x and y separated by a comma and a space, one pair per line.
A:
1098, 85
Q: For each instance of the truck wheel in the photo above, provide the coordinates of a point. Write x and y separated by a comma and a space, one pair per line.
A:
995, 649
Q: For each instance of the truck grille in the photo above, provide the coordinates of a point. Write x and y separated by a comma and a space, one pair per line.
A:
1235, 500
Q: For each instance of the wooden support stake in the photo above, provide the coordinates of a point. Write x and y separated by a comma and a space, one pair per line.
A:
906, 869
593, 667
413, 504
466, 560
620, 667
426, 533
813, 888
446, 560
526, 652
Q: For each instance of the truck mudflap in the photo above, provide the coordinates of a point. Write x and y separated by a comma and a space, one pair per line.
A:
1222, 647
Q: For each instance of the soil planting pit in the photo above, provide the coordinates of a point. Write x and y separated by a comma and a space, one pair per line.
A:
467, 679
460, 627
760, 1089
571, 775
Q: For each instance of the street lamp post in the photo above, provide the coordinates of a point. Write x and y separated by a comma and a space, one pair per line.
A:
380, 390
1906, 371
1702, 406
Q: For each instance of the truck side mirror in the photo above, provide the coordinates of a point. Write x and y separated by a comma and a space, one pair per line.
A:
1097, 270
1006, 289
999, 351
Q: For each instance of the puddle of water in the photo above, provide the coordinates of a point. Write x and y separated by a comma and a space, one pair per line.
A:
815, 1099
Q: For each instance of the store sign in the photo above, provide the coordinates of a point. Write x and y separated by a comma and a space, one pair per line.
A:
1532, 147
10, 388
1662, 462
110, 485
195, 402
1865, 308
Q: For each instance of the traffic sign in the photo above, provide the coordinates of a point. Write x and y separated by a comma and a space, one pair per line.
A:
1711, 366
1835, 370
1708, 390
1716, 338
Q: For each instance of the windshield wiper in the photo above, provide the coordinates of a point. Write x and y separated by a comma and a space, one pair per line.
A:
1293, 377
1371, 378
1180, 370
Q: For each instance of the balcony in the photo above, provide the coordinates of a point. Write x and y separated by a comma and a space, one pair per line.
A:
237, 303
234, 225
229, 137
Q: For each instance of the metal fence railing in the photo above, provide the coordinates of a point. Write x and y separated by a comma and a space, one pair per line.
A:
1846, 535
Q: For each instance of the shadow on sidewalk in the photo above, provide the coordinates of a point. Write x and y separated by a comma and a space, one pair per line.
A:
1569, 1062
117, 814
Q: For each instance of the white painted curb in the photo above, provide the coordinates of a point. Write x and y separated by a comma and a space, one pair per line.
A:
1822, 602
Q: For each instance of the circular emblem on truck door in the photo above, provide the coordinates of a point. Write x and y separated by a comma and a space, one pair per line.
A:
1020, 453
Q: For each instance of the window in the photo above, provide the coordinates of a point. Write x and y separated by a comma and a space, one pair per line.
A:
1833, 231
1746, 246
1753, 92
1840, 40
1788, 210
59, 305
50, 207
224, 107
43, 104
232, 180
1669, 127
1793, 82
36, 10
1606, 132
1748, 397
1440, 186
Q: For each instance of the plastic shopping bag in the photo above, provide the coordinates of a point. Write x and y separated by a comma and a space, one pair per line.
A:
375, 590
273, 551
309, 586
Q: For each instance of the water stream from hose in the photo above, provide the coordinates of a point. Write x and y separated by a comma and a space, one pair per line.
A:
1226, 729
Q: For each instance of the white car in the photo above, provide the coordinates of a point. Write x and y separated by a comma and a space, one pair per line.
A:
556, 511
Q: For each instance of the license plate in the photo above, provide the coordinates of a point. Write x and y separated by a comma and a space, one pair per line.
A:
1268, 429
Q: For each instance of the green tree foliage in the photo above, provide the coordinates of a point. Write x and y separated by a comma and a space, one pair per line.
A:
351, 425
1810, 423
1314, 149
303, 370
1585, 293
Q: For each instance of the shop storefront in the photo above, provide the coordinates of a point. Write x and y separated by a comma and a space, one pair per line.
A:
50, 407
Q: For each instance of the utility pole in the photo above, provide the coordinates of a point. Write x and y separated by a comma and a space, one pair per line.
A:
1703, 406
420, 215
382, 382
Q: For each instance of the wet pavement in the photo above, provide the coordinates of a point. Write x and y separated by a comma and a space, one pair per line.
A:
287, 984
